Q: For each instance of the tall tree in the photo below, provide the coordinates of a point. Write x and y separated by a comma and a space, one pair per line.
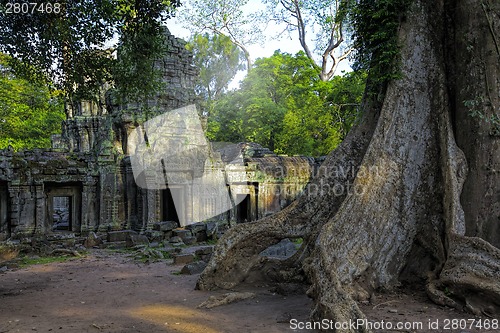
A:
218, 60
29, 112
323, 16
65, 42
423, 165
226, 18
282, 104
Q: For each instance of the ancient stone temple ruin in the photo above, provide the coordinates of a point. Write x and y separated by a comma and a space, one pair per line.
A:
86, 182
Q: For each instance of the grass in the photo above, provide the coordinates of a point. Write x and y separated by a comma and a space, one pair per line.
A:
26, 261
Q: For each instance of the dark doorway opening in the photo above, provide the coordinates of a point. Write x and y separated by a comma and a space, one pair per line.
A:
243, 208
64, 206
4, 199
61, 213
169, 213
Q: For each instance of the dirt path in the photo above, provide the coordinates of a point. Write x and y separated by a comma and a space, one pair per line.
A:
109, 292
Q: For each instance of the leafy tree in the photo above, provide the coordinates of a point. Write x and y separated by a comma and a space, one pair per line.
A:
29, 113
419, 203
218, 60
66, 46
282, 104
224, 18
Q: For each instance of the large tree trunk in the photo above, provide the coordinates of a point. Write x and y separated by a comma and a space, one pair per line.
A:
402, 217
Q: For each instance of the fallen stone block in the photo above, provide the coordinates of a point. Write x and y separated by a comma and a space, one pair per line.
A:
183, 258
227, 298
120, 236
134, 240
194, 268
92, 240
182, 233
197, 227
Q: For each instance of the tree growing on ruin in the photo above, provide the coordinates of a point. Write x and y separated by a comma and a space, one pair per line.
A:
423, 204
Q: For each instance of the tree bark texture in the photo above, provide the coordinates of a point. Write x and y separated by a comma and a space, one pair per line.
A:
405, 219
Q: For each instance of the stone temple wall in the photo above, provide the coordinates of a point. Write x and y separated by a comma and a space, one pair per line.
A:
85, 182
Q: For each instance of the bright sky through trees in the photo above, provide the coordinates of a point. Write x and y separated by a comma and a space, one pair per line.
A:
286, 43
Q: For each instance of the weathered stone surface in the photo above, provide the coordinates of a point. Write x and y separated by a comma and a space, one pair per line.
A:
196, 227
189, 240
60, 236
204, 253
212, 229
120, 236
165, 225
155, 236
194, 268
114, 245
176, 239
135, 239
183, 258
283, 249
92, 240
204, 250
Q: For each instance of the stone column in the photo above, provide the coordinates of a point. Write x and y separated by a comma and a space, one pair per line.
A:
41, 223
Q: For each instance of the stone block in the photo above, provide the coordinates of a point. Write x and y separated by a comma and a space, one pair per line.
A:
194, 268
284, 249
134, 240
120, 236
114, 245
183, 258
176, 239
212, 229
196, 227
92, 240
189, 240
182, 233
155, 236
204, 250
165, 226
60, 236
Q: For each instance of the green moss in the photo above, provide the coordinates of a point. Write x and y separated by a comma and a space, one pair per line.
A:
375, 27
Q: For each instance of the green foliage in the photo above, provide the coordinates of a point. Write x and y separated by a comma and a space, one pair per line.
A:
26, 261
29, 112
67, 47
230, 18
476, 110
374, 27
302, 19
282, 104
218, 60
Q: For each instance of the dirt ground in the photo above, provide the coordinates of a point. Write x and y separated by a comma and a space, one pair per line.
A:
110, 292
